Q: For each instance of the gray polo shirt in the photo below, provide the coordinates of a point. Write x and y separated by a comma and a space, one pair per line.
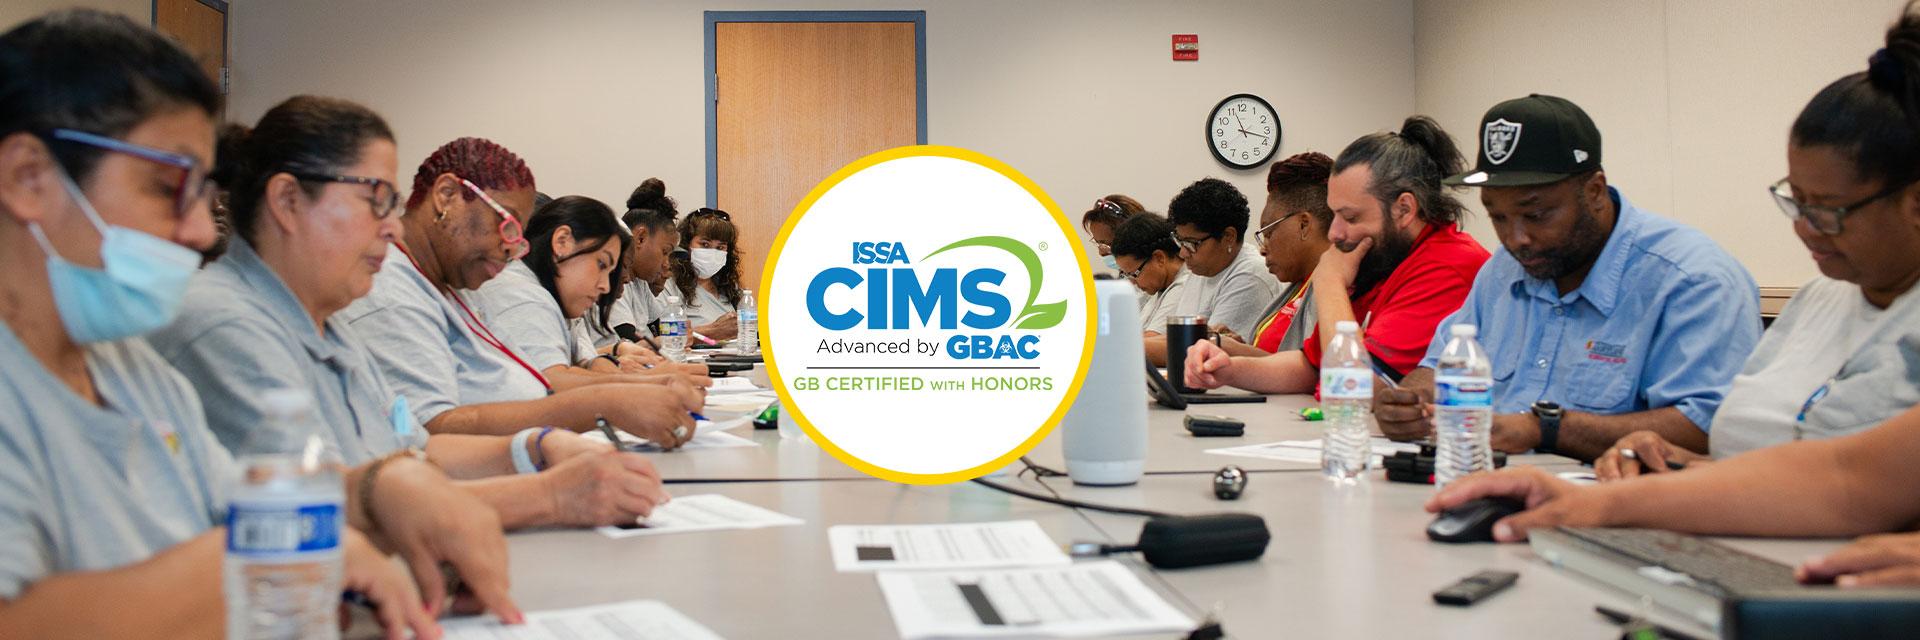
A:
1156, 308
87, 488
705, 307
241, 333
1236, 296
525, 315
425, 349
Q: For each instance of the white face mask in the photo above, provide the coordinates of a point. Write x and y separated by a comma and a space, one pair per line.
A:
707, 262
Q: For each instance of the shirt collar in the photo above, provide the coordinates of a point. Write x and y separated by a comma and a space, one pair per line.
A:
1602, 285
272, 294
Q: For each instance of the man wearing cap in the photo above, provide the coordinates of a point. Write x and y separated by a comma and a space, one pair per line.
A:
1600, 318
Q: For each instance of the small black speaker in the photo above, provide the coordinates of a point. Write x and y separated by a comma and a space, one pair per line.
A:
1174, 542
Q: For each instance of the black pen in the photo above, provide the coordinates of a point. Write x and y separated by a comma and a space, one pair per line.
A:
607, 430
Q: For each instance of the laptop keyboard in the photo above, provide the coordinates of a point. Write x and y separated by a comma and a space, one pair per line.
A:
1708, 563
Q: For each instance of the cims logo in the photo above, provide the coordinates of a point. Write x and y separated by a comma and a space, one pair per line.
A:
926, 317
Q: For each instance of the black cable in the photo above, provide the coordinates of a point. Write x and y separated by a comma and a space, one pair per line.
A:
1064, 502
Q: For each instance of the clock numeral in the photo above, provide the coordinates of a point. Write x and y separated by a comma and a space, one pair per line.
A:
1269, 129
1244, 155
1263, 119
1223, 119
1223, 144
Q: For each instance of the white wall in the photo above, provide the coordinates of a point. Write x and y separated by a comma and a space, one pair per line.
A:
1082, 96
1693, 97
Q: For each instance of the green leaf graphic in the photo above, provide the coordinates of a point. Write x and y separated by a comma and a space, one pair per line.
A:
1032, 316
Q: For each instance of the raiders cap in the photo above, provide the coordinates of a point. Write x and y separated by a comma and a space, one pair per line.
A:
1533, 140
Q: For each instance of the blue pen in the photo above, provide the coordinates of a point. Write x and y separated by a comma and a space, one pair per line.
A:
696, 415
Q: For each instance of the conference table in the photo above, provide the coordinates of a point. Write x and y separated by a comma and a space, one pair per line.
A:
1346, 560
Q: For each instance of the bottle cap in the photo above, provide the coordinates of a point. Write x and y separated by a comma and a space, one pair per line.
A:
1347, 326
1465, 331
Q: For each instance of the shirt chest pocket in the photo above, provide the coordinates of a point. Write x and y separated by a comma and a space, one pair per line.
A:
1598, 384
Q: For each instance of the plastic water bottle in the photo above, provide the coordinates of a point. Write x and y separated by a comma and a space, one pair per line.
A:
747, 339
283, 560
1346, 402
674, 329
1463, 408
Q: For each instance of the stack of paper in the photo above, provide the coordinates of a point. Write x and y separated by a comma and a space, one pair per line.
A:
995, 579
1088, 599
645, 619
706, 512
981, 545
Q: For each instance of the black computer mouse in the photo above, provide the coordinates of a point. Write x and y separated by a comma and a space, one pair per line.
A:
1229, 482
1473, 520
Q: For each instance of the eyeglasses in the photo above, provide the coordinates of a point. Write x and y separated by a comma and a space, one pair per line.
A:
1189, 246
194, 187
1105, 249
385, 198
510, 231
1260, 235
1825, 220
1134, 274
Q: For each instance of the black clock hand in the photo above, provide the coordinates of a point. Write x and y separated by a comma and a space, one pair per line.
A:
1242, 125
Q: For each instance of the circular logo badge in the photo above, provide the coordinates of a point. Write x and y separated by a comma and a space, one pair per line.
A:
926, 314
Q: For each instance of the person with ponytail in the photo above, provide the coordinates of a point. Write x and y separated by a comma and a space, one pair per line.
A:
462, 225
707, 278
1592, 307
116, 488
1398, 263
315, 211
1853, 159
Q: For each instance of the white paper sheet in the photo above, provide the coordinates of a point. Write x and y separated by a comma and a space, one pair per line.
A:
1099, 598
976, 545
748, 402
645, 619
706, 512
1308, 451
732, 384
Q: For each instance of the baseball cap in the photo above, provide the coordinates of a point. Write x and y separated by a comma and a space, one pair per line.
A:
1533, 140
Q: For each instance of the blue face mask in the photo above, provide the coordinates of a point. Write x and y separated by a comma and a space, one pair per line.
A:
138, 290
1110, 262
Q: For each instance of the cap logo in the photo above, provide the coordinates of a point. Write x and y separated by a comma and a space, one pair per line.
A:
1579, 156
1499, 140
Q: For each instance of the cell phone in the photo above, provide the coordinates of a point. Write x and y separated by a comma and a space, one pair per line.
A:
1209, 426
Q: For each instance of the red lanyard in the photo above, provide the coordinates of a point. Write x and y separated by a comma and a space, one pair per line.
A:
479, 328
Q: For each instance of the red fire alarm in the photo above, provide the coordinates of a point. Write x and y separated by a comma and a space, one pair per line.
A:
1186, 46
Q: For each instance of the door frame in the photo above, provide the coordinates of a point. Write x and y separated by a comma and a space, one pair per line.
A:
918, 18
226, 37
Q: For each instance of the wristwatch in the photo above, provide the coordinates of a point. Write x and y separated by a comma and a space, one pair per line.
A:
1549, 414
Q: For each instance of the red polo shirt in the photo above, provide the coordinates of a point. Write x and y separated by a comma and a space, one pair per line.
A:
1408, 306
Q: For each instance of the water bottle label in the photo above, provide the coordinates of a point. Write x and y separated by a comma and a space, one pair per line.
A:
673, 328
267, 530
1346, 384
1463, 391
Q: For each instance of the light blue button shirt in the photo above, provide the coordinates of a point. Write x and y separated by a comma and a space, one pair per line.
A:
1664, 319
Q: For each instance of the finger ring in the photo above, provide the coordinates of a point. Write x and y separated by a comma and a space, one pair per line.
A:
1629, 454
679, 433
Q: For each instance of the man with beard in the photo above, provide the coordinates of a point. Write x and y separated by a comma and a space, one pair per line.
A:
1600, 318
1399, 263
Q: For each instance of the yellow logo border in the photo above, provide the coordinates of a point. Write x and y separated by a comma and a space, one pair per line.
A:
767, 336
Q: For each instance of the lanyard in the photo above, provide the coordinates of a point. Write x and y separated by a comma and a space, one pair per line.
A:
479, 328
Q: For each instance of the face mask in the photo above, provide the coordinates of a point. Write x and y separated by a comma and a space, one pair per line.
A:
1110, 262
707, 262
138, 290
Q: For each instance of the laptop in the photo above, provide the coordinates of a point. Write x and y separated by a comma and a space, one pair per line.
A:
1726, 591
1164, 393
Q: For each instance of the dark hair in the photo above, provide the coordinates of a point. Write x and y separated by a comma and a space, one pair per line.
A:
96, 72
1873, 116
1112, 210
1141, 235
1210, 205
1299, 183
1414, 161
714, 224
593, 226
481, 161
304, 134
649, 207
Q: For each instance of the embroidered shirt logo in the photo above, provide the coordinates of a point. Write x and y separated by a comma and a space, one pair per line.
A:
1606, 352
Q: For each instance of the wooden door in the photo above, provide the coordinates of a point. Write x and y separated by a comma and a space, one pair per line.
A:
201, 27
794, 102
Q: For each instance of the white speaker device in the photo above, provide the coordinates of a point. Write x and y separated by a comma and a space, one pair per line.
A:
1105, 432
